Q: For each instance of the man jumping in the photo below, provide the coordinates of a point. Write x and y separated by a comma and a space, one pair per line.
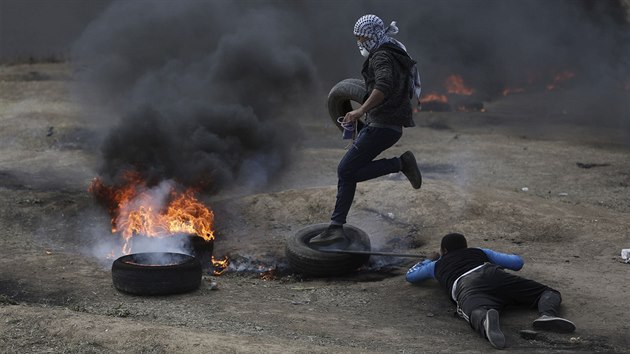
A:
391, 80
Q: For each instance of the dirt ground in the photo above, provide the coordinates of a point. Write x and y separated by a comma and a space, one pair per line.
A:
506, 183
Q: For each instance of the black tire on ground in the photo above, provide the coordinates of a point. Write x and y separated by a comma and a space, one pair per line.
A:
308, 261
156, 273
341, 96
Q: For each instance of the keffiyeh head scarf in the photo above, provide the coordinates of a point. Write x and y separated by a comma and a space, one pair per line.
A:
373, 29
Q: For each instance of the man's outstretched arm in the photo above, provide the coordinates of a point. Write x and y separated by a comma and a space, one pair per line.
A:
423, 270
509, 261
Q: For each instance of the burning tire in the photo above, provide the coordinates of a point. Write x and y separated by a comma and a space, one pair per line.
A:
341, 96
156, 273
309, 261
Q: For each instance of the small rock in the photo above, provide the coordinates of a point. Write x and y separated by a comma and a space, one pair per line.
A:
525, 189
563, 194
213, 285
528, 334
430, 314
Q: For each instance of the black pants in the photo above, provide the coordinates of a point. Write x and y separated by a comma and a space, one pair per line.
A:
490, 287
358, 165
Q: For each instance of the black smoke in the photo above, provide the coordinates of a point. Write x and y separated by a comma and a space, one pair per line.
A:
205, 92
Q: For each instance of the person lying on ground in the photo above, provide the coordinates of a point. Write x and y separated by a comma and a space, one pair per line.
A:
476, 281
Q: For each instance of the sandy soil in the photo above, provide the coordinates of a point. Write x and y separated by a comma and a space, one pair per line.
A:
569, 224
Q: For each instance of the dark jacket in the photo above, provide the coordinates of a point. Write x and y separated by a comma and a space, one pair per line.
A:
456, 263
388, 69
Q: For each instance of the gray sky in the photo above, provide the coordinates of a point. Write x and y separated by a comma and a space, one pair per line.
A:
41, 28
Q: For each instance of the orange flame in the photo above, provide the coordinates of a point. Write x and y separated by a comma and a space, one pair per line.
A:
434, 97
136, 209
220, 265
269, 274
455, 84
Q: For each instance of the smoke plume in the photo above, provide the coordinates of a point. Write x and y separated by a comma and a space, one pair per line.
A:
202, 90
205, 92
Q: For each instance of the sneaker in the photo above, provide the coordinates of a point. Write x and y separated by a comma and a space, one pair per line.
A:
492, 329
329, 236
410, 169
554, 324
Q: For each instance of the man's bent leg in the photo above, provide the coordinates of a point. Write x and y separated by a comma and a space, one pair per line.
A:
528, 292
473, 308
549, 302
357, 165
486, 323
548, 307
478, 304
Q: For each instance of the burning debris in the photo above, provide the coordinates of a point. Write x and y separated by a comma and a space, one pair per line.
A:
138, 211
434, 102
457, 97
455, 85
266, 267
200, 100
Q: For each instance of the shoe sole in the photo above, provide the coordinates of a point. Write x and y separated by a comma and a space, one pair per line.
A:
414, 176
493, 330
559, 325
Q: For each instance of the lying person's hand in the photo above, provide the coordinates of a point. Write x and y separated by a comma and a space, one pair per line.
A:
434, 256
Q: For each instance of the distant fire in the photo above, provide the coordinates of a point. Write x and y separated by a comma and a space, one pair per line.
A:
559, 78
455, 84
136, 209
457, 95
434, 97
455, 88
434, 102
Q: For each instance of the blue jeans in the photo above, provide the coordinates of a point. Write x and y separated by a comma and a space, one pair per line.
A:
357, 165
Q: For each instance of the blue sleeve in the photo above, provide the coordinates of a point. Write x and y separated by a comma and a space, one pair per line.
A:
509, 261
421, 271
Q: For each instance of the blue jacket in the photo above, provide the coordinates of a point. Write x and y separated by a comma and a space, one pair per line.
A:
426, 269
